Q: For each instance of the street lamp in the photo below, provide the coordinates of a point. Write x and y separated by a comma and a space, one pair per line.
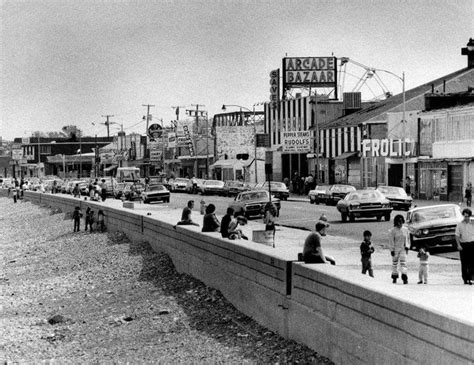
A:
404, 122
254, 131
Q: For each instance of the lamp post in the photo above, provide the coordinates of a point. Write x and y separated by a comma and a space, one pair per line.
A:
404, 122
314, 104
224, 106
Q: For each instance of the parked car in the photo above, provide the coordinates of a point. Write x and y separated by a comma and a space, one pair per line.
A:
433, 225
133, 191
155, 193
364, 204
234, 187
278, 189
178, 184
337, 192
318, 194
194, 186
84, 188
210, 187
397, 196
252, 203
118, 189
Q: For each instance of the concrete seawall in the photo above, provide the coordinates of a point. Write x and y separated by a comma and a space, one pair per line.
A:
346, 318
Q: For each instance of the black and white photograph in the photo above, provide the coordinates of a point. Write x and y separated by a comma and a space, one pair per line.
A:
236, 181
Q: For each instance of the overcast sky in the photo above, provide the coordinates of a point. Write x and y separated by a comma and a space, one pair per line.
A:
70, 62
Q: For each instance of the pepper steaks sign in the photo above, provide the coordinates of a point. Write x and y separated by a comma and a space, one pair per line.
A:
299, 141
309, 71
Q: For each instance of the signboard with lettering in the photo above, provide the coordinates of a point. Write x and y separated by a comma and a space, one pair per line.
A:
309, 72
155, 131
171, 140
388, 148
155, 155
298, 141
275, 85
189, 142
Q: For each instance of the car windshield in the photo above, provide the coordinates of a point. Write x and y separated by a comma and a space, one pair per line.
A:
321, 187
213, 182
391, 190
156, 187
365, 195
431, 214
342, 188
255, 196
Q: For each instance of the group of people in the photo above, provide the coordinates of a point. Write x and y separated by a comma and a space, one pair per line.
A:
300, 185
231, 224
399, 243
89, 220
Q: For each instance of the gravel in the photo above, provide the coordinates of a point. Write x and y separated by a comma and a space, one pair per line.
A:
97, 297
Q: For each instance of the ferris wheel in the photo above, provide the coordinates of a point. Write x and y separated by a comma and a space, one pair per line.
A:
353, 76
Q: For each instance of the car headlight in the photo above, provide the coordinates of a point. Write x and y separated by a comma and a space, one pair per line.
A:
418, 233
426, 231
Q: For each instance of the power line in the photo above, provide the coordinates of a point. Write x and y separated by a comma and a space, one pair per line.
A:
107, 123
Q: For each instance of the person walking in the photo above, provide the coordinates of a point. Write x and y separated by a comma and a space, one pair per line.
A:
103, 190
76, 216
398, 243
76, 192
465, 243
366, 251
468, 194
423, 255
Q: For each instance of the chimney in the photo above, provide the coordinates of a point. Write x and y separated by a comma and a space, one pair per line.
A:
469, 52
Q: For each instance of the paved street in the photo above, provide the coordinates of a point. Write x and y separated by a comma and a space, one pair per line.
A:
299, 213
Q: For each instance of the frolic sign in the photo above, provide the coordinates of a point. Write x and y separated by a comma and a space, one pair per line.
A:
387, 148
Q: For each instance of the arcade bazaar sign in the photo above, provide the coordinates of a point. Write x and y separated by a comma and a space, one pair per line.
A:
388, 148
309, 71
299, 141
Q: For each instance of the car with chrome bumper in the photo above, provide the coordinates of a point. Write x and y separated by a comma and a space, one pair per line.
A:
364, 204
317, 195
178, 184
212, 187
156, 192
336, 193
252, 203
277, 189
397, 196
433, 225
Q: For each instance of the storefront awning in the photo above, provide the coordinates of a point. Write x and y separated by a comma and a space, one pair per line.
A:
110, 168
230, 163
345, 155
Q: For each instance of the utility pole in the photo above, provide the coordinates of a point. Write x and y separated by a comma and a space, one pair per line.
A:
107, 123
197, 112
148, 106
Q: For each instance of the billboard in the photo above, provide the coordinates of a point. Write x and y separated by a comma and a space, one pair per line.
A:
274, 86
309, 72
299, 141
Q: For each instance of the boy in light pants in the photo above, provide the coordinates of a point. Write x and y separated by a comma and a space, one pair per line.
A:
423, 255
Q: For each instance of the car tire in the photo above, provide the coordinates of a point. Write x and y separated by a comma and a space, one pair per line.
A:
351, 217
167, 200
146, 201
387, 217
344, 217
379, 218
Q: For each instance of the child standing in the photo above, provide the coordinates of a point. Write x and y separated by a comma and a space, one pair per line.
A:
76, 216
423, 255
398, 243
366, 251
87, 219
100, 220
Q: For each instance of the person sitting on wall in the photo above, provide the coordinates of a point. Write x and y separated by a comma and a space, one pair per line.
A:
186, 216
312, 251
210, 222
234, 231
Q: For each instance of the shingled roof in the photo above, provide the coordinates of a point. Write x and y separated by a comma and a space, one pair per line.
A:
414, 99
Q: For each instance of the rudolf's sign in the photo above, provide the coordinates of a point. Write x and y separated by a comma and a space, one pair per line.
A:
388, 148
